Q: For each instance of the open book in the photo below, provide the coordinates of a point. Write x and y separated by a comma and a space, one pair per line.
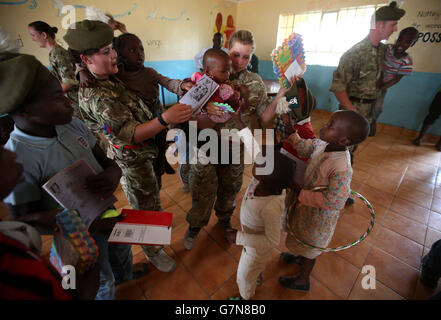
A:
199, 95
67, 187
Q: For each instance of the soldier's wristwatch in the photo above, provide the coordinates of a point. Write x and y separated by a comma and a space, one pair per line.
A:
162, 121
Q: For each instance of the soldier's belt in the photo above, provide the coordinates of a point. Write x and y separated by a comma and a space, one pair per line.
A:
133, 146
362, 100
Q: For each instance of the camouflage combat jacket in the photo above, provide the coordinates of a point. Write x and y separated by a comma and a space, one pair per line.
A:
117, 111
359, 70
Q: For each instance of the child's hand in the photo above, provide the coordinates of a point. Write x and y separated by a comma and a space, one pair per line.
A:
243, 90
104, 226
231, 234
88, 284
86, 79
104, 183
178, 113
212, 109
187, 85
294, 139
48, 218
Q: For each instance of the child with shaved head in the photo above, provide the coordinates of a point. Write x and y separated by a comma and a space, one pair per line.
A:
217, 65
313, 219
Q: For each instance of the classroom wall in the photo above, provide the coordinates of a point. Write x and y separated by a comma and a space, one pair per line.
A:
171, 30
406, 103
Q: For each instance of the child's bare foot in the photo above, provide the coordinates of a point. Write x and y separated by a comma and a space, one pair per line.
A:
294, 283
417, 142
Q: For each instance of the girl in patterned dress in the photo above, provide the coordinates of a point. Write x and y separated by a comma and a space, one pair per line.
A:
314, 217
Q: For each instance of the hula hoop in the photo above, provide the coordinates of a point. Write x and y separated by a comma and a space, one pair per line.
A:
371, 225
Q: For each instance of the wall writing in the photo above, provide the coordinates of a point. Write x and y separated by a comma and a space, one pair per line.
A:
32, 4
429, 26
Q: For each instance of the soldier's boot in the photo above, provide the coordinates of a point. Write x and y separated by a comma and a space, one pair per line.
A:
225, 224
162, 261
190, 237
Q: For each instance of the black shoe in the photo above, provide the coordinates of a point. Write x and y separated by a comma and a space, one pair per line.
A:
168, 168
416, 142
428, 278
289, 283
225, 224
290, 258
350, 201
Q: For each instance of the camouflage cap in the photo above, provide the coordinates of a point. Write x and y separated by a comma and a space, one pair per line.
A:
389, 12
23, 76
88, 34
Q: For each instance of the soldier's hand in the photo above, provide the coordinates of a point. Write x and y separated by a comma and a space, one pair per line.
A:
244, 92
104, 226
178, 113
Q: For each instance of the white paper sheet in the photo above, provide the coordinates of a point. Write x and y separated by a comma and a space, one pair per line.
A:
67, 188
294, 70
199, 94
140, 234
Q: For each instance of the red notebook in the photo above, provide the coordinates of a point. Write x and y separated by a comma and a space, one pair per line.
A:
143, 227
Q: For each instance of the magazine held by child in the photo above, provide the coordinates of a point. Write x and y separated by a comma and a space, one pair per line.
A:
67, 188
289, 59
199, 94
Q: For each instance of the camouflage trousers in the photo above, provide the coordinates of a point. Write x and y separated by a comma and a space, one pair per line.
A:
211, 181
141, 188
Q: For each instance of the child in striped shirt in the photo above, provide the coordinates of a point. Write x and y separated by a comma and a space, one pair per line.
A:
396, 64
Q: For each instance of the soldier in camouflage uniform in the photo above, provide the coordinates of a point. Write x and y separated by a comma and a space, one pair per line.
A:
224, 181
125, 120
60, 65
355, 82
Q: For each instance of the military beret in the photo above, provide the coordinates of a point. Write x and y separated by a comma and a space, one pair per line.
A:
23, 76
88, 34
390, 12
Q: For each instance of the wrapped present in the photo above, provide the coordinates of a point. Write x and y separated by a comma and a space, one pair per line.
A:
289, 59
73, 244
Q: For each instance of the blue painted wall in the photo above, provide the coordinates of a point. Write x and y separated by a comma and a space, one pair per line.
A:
178, 69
